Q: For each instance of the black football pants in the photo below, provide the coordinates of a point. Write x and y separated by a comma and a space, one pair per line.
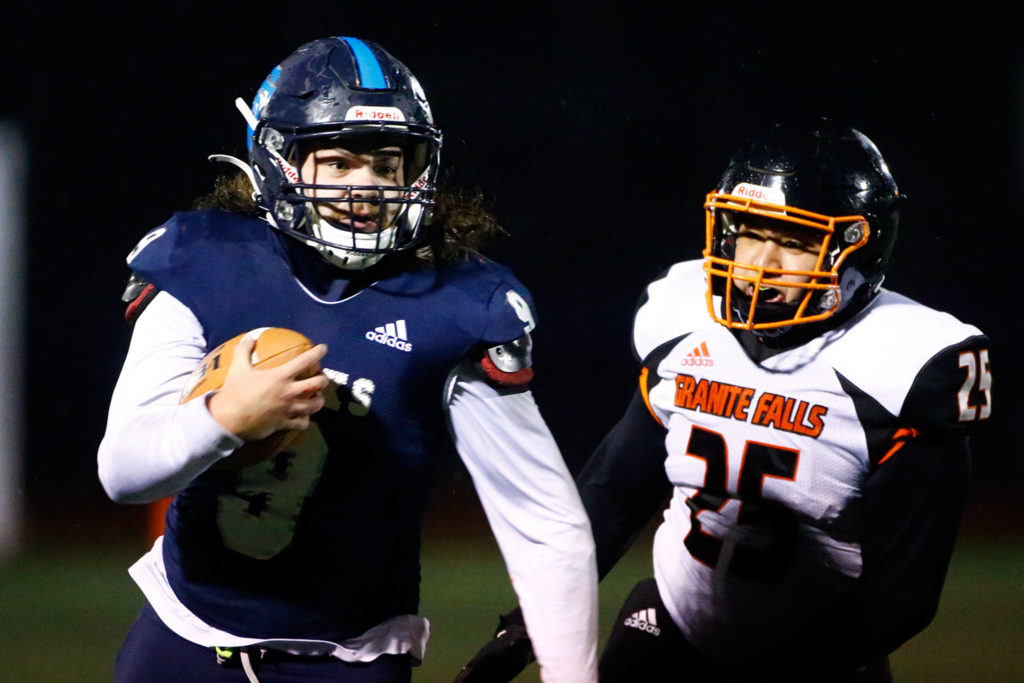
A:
646, 645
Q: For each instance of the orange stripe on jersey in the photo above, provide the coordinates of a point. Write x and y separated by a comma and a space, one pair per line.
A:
644, 372
899, 439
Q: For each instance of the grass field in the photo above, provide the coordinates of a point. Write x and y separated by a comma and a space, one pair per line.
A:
63, 612
977, 636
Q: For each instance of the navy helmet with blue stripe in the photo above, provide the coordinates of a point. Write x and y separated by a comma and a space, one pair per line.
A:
351, 93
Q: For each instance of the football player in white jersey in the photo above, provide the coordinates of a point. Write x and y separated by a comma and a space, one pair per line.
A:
809, 427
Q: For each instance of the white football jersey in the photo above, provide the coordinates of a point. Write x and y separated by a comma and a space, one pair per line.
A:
767, 459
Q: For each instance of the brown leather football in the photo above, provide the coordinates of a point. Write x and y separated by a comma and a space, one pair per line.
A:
274, 346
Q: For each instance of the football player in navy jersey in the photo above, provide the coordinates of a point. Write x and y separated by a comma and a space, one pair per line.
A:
305, 566
808, 427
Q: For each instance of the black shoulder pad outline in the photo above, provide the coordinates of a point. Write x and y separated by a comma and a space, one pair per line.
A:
649, 372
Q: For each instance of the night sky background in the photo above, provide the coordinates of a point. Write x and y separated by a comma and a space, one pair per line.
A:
593, 130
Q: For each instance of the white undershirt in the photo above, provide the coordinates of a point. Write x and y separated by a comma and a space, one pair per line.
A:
154, 446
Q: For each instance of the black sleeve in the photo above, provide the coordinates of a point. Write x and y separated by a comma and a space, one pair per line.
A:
911, 510
624, 482
953, 391
912, 507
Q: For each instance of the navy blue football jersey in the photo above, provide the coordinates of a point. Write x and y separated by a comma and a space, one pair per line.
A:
322, 541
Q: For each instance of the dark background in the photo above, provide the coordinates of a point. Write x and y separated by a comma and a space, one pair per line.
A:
593, 130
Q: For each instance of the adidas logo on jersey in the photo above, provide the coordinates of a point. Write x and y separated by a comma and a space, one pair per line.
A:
393, 334
699, 356
645, 620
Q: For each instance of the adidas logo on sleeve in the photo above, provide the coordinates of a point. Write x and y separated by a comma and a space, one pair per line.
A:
393, 334
645, 620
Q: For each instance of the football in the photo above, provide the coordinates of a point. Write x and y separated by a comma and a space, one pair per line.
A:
274, 346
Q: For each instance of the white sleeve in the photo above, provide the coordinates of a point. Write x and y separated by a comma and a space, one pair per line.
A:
674, 304
536, 515
153, 446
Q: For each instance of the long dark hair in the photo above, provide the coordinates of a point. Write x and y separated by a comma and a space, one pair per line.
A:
461, 224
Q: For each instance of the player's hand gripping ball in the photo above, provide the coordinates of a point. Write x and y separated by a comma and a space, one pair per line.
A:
274, 346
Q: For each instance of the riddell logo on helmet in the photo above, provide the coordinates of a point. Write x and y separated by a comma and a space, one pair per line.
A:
420, 183
361, 113
760, 193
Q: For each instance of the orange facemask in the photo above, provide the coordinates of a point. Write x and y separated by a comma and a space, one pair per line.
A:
821, 295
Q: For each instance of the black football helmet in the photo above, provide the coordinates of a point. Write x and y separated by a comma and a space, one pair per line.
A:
820, 177
352, 92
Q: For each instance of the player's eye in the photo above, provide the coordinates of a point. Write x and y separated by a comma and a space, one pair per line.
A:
803, 245
747, 234
334, 161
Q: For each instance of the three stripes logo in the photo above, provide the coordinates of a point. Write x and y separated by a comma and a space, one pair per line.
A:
646, 620
700, 356
393, 334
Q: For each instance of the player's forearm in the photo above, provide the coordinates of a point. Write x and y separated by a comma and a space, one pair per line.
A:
153, 446
538, 520
154, 452
624, 483
557, 591
549, 554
